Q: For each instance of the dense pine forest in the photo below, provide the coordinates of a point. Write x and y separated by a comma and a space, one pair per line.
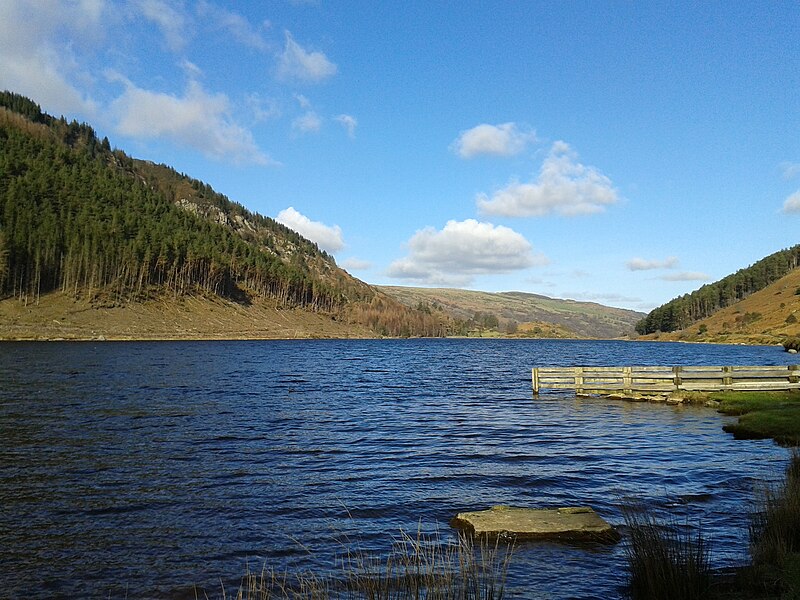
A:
689, 308
79, 218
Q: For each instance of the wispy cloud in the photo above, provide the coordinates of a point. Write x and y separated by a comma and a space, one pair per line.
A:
296, 63
303, 101
792, 204
263, 109
235, 24
197, 119
349, 123
309, 122
37, 52
462, 250
169, 18
602, 297
506, 139
790, 170
564, 186
686, 276
641, 264
327, 237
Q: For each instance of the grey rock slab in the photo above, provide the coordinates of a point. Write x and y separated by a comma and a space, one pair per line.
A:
568, 524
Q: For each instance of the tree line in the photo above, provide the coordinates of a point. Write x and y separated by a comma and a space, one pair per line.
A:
689, 308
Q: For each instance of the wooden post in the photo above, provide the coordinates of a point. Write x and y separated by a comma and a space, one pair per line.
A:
578, 380
726, 376
535, 380
793, 373
627, 383
677, 379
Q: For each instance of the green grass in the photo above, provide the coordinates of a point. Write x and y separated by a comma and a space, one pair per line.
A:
763, 415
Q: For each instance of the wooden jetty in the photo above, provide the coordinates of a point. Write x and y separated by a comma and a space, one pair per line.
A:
659, 380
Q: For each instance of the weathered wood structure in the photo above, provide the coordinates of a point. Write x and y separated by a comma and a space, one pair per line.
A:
659, 380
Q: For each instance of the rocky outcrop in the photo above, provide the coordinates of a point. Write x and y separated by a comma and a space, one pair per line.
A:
566, 524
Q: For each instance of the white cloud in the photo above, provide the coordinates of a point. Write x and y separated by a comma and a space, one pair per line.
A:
356, 264
198, 120
686, 276
790, 170
641, 264
349, 123
563, 186
37, 45
310, 122
506, 139
463, 249
297, 64
792, 204
167, 16
327, 237
234, 23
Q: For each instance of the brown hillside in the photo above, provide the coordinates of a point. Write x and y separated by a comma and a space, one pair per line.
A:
765, 317
61, 316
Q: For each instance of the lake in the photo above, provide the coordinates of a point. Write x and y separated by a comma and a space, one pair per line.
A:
137, 470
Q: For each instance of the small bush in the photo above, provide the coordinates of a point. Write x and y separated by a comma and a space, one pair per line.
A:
666, 561
792, 344
791, 319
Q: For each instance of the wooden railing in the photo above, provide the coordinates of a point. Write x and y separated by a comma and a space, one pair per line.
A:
603, 380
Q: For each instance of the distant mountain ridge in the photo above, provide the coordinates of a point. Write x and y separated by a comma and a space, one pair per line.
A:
510, 309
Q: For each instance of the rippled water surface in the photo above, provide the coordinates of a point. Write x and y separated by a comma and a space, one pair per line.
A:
137, 470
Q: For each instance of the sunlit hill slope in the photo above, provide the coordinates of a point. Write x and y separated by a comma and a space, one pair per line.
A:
767, 316
521, 313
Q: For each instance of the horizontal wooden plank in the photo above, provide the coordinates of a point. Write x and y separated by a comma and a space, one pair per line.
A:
661, 378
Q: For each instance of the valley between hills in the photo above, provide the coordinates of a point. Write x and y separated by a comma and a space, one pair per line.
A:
95, 244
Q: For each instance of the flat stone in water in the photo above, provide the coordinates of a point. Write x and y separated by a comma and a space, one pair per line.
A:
567, 524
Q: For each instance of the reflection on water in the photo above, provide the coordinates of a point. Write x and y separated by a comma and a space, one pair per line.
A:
139, 469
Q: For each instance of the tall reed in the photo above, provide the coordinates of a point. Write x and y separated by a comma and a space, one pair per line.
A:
417, 568
666, 561
775, 531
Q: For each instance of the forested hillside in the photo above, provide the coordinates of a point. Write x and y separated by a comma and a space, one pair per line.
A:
79, 218
690, 308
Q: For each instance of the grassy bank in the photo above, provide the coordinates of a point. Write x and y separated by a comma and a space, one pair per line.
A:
763, 415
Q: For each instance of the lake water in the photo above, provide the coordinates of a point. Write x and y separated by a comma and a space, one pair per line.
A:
137, 470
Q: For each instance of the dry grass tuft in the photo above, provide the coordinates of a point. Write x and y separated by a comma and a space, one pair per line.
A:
421, 567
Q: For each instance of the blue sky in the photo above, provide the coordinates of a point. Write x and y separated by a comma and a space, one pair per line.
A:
620, 152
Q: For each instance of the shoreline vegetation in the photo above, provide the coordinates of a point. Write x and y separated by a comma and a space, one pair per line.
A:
423, 566
201, 317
